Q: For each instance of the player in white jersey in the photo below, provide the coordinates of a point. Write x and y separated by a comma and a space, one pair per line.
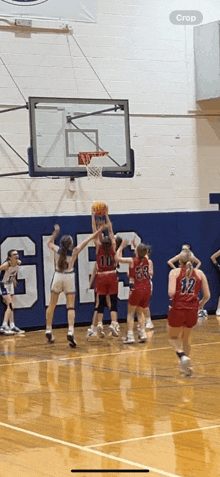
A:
9, 270
64, 279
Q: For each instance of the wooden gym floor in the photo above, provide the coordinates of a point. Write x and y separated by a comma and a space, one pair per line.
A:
108, 406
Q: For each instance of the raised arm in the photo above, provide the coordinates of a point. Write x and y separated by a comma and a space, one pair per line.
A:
53, 237
173, 260
214, 256
197, 261
118, 255
97, 239
134, 243
92, 275
80, 247
110, 229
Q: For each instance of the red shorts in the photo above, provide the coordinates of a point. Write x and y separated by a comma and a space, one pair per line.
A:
140, 298
107, 284
178, 318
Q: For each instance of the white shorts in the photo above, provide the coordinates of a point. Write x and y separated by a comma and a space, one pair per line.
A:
3, 290
63, 282
10, 288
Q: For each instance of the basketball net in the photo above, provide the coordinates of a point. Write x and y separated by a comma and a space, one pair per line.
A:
84, 158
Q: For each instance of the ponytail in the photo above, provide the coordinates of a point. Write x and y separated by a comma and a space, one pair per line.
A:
106, 244
65, 243
186, 258
189, 269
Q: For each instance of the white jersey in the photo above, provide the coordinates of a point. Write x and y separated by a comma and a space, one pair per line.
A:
10, 275
63, 281
69, 261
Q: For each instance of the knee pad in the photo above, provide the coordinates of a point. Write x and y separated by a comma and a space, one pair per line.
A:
114, 302
102, 303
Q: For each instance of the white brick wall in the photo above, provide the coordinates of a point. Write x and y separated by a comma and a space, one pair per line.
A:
140, 56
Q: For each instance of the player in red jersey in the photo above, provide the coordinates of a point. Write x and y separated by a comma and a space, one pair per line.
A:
215, 260
106, 277
148, 322
185, 284
91, 332
140, 272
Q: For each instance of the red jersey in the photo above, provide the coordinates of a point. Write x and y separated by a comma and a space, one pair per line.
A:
140, 273
105, 263
187, 291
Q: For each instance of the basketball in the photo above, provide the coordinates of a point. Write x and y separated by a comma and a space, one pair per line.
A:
99, 208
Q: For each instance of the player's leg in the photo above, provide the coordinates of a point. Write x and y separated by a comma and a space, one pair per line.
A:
185, 339
11, 314
49, 316
130, 325
218, 307
5, 328
176, 340
91, 332
112, 292
177, 320
12, 325
114, 327
101, 283
101, 307
142, 337
148, 322
70, 304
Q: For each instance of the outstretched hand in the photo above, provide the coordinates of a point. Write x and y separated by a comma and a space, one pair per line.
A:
124, 243
57, 229
134, 243
102, 227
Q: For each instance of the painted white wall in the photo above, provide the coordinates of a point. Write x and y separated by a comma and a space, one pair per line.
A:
132, 52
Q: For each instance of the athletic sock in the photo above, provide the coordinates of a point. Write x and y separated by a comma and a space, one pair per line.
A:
180, 354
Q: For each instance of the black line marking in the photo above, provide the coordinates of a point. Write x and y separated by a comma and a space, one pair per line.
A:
109, 470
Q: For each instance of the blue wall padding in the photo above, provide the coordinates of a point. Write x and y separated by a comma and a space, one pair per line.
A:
166, 232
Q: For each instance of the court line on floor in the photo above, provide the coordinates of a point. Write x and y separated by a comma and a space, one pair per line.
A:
72, 358
216, 426
91, 451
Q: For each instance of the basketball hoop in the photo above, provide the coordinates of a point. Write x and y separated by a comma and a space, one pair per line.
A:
84, 158
93, 172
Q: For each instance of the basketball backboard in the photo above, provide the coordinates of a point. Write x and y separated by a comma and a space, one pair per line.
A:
62, 128
68, 11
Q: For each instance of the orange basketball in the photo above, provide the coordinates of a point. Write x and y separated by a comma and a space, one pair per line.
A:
99, 208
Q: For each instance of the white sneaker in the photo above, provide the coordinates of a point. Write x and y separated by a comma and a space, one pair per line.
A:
49, 336
17, 330
185, 365
91, 332
149, 325
100, 331
217, 312
70, 339
6, 330
142, 337
130, 339
202, 313
114, 328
